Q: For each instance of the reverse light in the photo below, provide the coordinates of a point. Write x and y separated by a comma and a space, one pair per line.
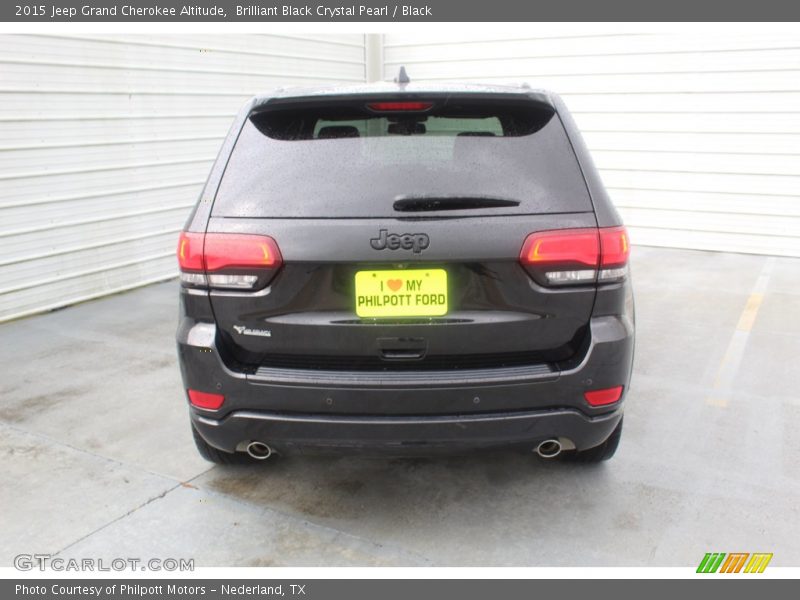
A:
579, 276
399, 106
604, 396
205, 400
194, 279
232, 281
576, 256
227, 260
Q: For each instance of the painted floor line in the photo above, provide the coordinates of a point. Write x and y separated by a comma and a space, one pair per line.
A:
734, 352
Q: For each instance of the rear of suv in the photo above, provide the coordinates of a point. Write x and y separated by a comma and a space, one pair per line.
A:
407, 269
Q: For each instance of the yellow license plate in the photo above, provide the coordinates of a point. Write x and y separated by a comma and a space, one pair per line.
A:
401, 293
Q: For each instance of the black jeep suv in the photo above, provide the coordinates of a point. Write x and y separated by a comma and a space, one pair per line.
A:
405, 268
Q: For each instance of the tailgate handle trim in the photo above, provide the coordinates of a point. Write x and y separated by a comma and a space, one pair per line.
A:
402, 348
402, 354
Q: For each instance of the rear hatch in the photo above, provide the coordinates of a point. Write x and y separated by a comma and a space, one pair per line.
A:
396, 225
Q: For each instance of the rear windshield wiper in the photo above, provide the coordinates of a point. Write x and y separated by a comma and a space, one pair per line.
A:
423, 203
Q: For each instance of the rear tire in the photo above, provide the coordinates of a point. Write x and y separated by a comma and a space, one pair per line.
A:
599, 453
218, 456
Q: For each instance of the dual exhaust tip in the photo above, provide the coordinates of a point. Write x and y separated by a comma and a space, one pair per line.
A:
549, 448
259, 450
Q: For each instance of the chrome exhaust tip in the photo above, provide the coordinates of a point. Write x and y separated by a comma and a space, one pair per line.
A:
259, 450
549, 449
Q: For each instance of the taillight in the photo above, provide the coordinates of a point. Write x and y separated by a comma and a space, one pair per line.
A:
604, 396
614, 251
563, 256
190, 251
574, 256
205, 400
228, 260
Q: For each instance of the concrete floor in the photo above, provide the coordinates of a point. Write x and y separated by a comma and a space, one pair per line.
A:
98, 459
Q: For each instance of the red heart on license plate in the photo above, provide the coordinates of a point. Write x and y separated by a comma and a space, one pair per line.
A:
394, 284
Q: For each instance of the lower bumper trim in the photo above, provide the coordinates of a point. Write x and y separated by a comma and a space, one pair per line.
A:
288, 433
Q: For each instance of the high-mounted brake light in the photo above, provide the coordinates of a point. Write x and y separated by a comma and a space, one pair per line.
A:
573, 256
399, 106
604, 396
227, 260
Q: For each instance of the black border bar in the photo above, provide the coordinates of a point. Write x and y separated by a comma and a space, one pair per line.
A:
378, 11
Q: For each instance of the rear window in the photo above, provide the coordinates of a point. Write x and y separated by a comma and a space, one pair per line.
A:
367, 159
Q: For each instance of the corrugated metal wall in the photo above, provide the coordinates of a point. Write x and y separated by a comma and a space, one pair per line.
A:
106, 140
697, 135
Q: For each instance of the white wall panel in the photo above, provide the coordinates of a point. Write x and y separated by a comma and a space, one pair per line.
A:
697, 135
105, 141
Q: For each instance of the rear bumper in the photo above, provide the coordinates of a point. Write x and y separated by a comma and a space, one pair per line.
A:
296, 433
291, 409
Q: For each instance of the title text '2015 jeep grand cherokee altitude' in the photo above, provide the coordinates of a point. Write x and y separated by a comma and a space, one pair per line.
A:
405, 268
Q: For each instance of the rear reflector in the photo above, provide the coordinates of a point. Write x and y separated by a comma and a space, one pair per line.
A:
206, 400
399, 106
573, 256
604, 396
